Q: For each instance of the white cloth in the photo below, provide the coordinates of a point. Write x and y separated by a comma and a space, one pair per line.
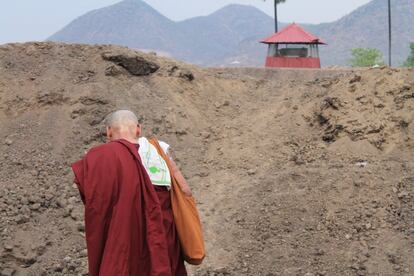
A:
154, 164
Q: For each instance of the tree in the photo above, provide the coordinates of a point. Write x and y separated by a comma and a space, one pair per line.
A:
366, 57
276, 3
410, 60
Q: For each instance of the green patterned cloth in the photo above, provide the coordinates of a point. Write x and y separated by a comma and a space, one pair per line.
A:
154, 164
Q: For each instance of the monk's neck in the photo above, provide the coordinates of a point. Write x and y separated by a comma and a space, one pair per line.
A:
131, 140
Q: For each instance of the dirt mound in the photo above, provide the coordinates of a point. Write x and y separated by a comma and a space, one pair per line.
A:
297, 172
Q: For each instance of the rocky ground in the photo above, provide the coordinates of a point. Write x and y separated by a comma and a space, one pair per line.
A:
296, 172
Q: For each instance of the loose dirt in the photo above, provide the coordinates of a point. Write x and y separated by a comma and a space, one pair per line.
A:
296, 172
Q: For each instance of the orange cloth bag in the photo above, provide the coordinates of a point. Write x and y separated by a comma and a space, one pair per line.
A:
187, 220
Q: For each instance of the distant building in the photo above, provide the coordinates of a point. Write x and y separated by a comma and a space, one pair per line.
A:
293, 47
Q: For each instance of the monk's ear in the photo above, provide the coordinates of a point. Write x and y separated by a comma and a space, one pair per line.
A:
138, 131
109, 133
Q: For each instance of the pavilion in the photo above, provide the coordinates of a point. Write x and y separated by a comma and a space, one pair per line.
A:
293, 47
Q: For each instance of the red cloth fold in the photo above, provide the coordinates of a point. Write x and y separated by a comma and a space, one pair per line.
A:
124, 220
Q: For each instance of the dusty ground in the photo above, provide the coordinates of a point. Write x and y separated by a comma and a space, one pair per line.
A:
297, 172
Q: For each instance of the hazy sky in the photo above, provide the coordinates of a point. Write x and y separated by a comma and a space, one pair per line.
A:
27, 20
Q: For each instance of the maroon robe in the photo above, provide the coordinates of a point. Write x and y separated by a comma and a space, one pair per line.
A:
129, 226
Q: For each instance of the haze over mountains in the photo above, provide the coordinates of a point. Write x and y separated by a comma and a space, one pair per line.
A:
231, 35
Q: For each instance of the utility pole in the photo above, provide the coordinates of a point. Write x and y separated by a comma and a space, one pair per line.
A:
389, 33
276, 27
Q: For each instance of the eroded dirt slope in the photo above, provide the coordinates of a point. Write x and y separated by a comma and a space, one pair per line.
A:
297, 172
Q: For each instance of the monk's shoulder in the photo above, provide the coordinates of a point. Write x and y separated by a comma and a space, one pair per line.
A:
104, 150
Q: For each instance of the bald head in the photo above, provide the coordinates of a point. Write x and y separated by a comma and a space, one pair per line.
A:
122, 124
121, 117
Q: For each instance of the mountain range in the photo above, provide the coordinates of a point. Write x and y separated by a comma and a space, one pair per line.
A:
231, 35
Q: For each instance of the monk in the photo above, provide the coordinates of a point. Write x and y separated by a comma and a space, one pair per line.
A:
129, 223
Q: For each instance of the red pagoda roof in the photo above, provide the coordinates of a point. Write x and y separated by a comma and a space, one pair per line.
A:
293, 34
